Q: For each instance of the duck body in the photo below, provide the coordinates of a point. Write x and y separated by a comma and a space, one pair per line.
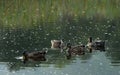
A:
90, 45
57, 44
37, 55
76, 50
99, 45
95, 45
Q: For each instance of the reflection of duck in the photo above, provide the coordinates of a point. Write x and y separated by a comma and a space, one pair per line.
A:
97, 44
77, 50
37, 55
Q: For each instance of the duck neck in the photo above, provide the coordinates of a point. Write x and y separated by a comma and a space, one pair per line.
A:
90, 39
25, 56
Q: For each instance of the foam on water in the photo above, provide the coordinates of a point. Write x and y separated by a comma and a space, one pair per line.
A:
19, 57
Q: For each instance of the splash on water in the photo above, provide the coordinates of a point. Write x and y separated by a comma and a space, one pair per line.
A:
19, 57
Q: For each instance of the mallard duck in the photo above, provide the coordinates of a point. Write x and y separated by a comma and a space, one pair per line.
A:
37, 55
57, 44
96, 44
99, 44
90, 44
77, 50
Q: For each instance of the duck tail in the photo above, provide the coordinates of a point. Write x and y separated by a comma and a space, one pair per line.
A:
25, 55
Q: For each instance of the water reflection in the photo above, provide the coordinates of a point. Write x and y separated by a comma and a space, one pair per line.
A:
14, 41
52, 58
113, 55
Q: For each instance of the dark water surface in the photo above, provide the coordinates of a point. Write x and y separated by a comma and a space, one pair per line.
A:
31, 25
14, 41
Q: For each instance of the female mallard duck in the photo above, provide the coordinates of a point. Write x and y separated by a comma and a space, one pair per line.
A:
77, 50
57, 44
97, 44
37, 55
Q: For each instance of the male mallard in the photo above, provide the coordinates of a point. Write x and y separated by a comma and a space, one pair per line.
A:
37, 55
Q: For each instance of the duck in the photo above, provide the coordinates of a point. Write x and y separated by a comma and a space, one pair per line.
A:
90, 45
95, 45
57, 44
36, 56
76, 50
99, 44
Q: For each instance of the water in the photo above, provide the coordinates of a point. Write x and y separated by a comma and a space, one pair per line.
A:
24, 27
14, 42
97, 64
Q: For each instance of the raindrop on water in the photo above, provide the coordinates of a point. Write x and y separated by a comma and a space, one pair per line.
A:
47, 34
118, 72
7, 42
90, 65
70, 33
108, 21
12, 50
13, 71
45, 38
4, 38
101, 64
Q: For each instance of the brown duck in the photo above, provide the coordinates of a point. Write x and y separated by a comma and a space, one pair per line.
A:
37, 55
77, 50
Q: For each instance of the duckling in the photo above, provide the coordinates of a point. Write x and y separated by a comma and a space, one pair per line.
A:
77, 50
37, 55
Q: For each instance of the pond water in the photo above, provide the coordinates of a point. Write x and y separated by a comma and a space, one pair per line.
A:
15, 41
31, 25
95, 63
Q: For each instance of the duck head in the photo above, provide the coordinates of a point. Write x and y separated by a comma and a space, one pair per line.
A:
68, 45
25, 55
90, 39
